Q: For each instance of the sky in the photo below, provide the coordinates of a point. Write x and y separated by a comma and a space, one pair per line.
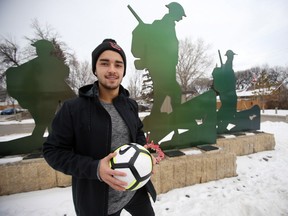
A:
256, 30
259, 189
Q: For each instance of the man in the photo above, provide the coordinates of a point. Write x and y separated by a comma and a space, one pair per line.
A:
87, 129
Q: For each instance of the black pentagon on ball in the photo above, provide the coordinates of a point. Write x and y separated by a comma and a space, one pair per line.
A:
130, 165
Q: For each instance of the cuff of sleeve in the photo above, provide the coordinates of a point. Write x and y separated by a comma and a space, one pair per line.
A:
98, 176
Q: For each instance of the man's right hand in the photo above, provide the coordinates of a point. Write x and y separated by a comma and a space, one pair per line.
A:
107, 174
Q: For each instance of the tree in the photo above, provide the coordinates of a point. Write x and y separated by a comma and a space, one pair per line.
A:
12, 55
9, 52
267, 83
278, 79
202, 85
147, 87
283, 94
193, 62
244, 79
134, 86
48, 33
80, 73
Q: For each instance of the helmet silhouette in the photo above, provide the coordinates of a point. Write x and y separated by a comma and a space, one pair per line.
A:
176, 9
230, 53
43, 47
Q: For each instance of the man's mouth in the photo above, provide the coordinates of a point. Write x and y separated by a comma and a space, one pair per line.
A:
111, 77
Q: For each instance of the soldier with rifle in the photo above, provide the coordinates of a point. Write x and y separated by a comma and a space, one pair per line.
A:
156, 48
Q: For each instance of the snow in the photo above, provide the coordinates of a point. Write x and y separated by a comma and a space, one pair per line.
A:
11, 159
274, 112
261, 188
25, 121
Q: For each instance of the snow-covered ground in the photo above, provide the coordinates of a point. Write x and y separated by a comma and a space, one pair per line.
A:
261, 188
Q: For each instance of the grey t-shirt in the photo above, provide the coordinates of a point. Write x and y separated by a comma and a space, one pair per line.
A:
120, 135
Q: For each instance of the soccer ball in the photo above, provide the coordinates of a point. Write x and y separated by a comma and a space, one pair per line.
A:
136, 162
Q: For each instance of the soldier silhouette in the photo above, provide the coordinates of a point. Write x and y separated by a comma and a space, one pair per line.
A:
225, 85
156, 48
38, 85
228, 118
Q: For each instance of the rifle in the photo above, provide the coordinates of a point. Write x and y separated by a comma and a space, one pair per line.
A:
220, 58
135, 15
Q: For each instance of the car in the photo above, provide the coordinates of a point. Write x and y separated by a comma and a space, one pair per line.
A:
143, 108
8, 111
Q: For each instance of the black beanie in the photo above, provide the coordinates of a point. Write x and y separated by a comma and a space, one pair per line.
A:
107, 44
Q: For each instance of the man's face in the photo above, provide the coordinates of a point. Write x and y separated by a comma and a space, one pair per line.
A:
110, 70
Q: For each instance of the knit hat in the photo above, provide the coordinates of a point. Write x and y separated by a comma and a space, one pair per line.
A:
107, 44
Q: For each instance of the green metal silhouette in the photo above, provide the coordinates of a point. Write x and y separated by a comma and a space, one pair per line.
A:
39, 86
156, 48
228, 119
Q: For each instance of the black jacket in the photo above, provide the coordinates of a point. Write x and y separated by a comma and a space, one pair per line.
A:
80, 137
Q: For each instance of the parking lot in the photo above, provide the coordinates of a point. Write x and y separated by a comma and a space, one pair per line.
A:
15, 124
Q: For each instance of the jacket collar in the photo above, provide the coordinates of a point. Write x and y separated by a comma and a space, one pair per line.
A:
92, 90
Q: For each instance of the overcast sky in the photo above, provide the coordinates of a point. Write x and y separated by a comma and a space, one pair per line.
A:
257, 30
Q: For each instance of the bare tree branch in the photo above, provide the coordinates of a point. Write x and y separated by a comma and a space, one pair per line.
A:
193, 61
134, 86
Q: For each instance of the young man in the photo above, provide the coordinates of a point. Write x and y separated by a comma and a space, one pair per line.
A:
87, 129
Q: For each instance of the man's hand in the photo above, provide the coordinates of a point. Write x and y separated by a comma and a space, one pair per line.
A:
107, 174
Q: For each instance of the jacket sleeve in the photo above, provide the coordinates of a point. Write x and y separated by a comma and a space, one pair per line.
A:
58, 148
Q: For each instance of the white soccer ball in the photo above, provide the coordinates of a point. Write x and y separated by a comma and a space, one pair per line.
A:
136, 162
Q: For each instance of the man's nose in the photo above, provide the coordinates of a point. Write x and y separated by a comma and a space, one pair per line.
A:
112, 68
